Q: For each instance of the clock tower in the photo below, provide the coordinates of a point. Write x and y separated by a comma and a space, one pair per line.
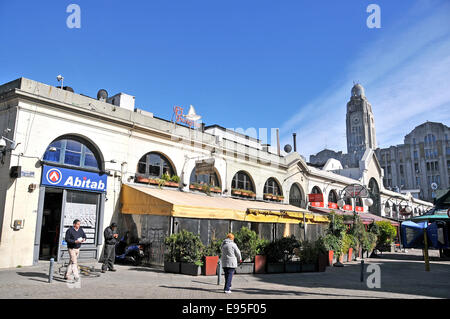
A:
360, 123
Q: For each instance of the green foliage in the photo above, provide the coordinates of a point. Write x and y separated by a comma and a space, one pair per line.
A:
358, 230
247, 241
348, 241
309, 252
369, 241
184, 247
331, 242
214, 248
173, 252
282, 249
165, 177
261, 246
175, 179
386, 235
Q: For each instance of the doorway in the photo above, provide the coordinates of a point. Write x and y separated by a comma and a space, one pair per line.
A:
51, 223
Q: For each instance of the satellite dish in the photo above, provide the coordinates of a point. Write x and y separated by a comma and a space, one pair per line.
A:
102, 95
287, 148
192, 115
434, 186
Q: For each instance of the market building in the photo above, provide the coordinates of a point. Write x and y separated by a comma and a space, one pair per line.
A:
66, 155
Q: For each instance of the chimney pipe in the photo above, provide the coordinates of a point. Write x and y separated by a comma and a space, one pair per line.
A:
294, 135
278, 142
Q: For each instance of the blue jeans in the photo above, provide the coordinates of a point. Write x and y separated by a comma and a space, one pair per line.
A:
228, 277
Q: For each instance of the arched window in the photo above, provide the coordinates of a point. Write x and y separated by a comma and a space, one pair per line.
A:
316, 190
155, 165
73, 151
204, 179
272, 187
242, 180
332, 197
297, 197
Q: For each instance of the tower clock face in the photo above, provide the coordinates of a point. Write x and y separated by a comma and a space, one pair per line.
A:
355, 120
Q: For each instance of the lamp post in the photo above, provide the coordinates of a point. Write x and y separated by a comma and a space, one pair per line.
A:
397, 201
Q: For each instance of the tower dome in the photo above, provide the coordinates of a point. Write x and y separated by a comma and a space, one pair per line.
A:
358, 90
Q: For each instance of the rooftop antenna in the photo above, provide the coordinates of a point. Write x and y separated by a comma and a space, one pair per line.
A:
60, 78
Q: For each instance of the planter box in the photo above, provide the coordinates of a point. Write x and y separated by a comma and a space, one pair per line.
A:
268, 196
236, 192
210, 266
293, 266
260, 264
171, 184
275, 267
173, 267
245, 268
308, 267
330, 257
344, 258
350, 252
322, 262
191, 269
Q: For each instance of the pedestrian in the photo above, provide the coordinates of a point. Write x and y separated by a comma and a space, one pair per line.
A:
109, 256
230, 257
75, 236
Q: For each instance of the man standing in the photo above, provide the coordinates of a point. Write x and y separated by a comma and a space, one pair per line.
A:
110, 247
230, 257
74, 237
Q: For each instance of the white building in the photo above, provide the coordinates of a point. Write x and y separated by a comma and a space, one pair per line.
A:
70, 156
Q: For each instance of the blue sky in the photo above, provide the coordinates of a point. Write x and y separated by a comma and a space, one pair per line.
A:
245, 64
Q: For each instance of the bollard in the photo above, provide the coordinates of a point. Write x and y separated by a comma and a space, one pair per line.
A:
50, 271
362, 270
219, 272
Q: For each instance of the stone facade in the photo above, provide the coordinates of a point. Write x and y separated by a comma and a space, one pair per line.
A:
423, 159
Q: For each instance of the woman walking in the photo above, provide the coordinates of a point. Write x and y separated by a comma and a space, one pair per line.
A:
230, 256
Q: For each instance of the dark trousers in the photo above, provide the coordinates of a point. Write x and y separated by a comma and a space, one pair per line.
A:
110, 256
228, 277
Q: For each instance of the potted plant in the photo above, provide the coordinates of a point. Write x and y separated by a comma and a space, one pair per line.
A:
308, 254
211, 256
385, 233
216, 189
191, 253
275, 257
322, 255
173, 254
331, 243
236, 192
260, 258
291, 247
268, 196
247, 241
280, 198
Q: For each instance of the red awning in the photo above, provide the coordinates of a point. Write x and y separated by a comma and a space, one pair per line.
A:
366, 218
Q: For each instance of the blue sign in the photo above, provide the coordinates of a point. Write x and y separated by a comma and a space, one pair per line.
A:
71, 178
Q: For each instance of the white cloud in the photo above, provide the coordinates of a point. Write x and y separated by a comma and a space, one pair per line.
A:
407, 80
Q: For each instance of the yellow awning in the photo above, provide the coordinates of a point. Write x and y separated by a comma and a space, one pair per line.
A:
142, 199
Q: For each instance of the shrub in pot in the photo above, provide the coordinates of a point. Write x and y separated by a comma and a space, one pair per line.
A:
191, 248
172, 256
211, 255
309, 255
261, 258
332, 244
247, 242
386, 234
275, 257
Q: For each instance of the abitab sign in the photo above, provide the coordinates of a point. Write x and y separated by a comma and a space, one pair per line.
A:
75, 179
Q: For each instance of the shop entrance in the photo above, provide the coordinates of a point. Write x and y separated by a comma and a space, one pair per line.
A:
51, 222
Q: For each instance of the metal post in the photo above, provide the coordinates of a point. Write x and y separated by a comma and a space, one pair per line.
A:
304, 226
219, 272
362, 270
50, 271
425, 252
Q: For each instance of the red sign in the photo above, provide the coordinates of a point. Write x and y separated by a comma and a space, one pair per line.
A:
348, 207
317, 204
315, 198
332, 205
359, 209
181, 118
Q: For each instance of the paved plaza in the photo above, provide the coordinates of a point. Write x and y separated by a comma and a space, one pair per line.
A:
403, 275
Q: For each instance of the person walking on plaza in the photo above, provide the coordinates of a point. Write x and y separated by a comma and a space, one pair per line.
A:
230, 257
110, 247
75, 236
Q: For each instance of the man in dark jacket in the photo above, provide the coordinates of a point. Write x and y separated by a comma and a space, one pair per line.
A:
110, 247
74, 237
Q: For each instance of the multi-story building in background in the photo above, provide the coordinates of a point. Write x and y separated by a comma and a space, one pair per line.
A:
423, 160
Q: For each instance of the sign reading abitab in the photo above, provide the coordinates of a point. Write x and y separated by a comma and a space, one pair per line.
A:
75, 179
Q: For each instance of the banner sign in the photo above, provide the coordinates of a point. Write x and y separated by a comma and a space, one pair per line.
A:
348, 207
315, 198
359, 209
317, 204
74, 179
204, 167
181, 118
332, 205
